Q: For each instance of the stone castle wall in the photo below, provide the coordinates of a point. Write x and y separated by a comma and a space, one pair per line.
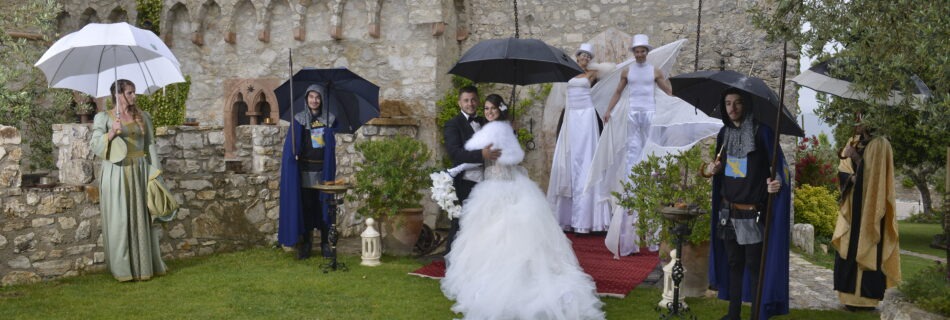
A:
404, 46
407, 46
226, 204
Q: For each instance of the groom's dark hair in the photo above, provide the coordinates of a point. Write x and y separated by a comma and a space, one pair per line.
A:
468, 89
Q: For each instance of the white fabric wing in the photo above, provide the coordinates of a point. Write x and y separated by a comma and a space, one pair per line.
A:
676, 127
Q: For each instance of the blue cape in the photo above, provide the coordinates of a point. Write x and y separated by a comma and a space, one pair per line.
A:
775, 281
291, 226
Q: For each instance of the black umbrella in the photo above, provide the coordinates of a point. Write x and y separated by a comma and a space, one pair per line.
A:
516, 61
827, 77
703, 90
352, 99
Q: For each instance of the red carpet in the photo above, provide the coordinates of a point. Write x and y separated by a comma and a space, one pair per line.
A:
613, 277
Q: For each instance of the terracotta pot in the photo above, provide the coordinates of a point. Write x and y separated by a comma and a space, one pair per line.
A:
696, 262
85, 117
400, 232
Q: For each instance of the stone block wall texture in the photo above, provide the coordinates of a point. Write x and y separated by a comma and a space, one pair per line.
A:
226, 205
404, 46
407, 46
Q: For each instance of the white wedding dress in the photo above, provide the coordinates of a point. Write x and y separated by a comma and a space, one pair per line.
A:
511, 260
572, 158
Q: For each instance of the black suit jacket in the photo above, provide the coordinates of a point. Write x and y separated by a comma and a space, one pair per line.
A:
456, 132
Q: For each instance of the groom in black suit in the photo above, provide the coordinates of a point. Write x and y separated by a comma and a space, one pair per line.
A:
458, 130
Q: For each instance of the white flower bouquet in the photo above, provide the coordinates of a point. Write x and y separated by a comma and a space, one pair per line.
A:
443, 193
443, 189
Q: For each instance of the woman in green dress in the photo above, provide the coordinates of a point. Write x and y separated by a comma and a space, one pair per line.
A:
128, 234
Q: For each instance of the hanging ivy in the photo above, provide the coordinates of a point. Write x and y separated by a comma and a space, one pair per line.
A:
150, 13
167, 106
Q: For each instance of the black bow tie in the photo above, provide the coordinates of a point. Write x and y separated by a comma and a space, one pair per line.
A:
472, 119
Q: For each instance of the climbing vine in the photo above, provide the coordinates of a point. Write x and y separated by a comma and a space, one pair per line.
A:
150, 13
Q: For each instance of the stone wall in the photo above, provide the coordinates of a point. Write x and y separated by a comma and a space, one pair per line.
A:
226, 204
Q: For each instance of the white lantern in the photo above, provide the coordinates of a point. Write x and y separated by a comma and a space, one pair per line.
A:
668, 283
371, 247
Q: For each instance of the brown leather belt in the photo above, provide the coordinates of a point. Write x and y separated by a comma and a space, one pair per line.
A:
740, 206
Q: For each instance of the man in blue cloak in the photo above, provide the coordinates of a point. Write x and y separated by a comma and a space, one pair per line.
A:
309, 157
741, 188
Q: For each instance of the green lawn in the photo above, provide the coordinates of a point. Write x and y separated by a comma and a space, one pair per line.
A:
916, 237
269, 284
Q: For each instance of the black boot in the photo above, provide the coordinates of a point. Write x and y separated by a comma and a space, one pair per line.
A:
305, 246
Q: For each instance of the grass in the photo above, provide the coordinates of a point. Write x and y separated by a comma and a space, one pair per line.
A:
916, 237
909, 264
267, 283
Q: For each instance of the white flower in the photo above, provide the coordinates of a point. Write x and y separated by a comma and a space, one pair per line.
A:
443, 193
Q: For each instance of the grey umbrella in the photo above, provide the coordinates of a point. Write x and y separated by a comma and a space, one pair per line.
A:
825, 77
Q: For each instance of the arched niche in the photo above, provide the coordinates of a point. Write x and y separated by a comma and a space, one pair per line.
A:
244, 96
118, 15
64, 23
177, 27
210, 26
243, 23
88, 16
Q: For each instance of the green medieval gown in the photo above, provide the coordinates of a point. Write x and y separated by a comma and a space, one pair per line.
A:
128, 234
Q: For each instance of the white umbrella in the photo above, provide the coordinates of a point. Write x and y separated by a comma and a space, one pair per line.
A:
91, 59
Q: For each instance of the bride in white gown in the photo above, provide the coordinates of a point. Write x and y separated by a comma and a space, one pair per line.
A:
511, 260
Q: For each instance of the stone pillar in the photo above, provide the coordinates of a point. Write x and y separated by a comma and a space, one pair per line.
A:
75, 159
10, 154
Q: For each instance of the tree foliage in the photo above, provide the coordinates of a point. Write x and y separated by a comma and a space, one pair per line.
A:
885, 42
25, 100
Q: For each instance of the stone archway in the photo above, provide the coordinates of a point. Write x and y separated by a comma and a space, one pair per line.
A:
247, 98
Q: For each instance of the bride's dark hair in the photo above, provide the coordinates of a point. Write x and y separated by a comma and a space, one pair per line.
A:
500, 103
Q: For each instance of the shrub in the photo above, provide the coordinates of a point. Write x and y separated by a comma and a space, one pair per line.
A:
662, 181
816, 206
929, 289
815, 163
391, 177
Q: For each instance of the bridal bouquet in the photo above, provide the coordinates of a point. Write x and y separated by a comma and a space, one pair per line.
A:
443, 193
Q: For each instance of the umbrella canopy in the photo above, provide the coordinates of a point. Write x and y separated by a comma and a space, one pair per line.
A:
352, 99
819, 78
516, 61
703, 90
91, 59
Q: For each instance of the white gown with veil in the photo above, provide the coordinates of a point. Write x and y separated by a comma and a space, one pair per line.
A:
510, 259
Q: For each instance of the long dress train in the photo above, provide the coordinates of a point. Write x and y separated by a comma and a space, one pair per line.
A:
511, 260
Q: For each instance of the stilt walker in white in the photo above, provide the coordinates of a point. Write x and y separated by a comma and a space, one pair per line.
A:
647, 121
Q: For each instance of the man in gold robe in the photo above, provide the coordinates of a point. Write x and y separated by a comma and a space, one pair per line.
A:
865, 237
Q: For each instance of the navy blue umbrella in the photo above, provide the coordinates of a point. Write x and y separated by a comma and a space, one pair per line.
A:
352, 99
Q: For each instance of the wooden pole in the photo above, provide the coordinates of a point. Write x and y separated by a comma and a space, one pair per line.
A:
757, 300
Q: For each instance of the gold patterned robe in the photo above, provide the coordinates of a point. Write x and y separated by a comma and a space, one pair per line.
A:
868, 260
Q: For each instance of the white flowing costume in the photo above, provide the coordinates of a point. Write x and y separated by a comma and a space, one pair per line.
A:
571, 164
510, 259
674, 126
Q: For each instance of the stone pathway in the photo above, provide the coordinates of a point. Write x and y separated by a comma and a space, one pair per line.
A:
810, 286
924, 256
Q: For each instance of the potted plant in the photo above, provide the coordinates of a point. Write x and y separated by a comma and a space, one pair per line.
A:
85, 111
672, 183
389, 184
